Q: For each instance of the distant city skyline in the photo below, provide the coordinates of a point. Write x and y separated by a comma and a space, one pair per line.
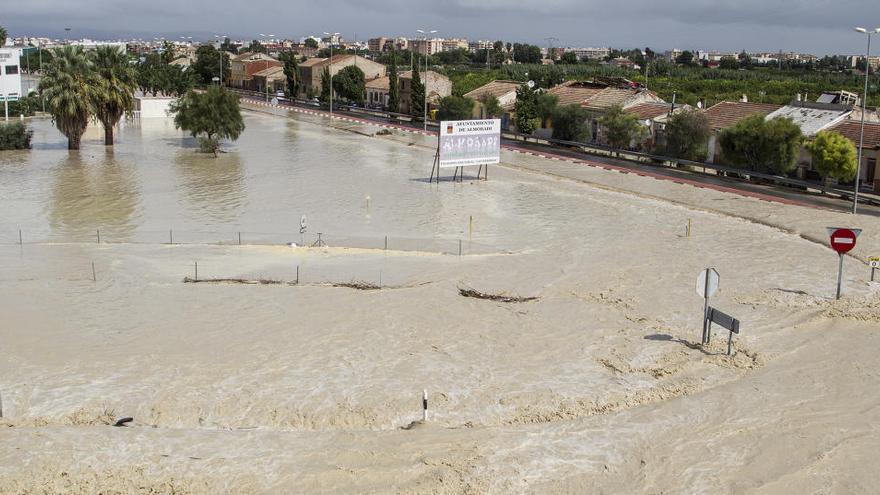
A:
819, 27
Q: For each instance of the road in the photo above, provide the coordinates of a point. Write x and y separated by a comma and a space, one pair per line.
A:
731, 184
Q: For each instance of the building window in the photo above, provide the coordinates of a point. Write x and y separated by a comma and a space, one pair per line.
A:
11, 69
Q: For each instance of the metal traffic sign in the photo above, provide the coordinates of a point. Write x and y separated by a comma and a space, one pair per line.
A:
843, 240
707, 283
726, 321
874, 261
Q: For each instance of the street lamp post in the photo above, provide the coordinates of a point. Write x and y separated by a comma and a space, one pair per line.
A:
425, 34
221, 58
330, 69
864, 31
271, 37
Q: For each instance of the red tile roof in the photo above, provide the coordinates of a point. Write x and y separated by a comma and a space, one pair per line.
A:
728, 113
575, 92
497, 88
648, 111
852, 128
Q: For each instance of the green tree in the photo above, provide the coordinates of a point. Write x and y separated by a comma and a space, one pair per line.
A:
115, 83
417, 95
833, 155
256, 47
729, 63
3, 35
227, 46
491, 107
291, 74
207, 65
526, 108
209, 116
620, 127
685, 58
15, 136
570, 123
311, 43
393, 88
546, 104
687, 135
154, 76
325, 85
169, 52
762, 145
455, 108
569, 58
349, 83
68, 87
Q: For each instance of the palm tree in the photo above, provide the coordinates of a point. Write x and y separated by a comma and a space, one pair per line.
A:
116, 81
68, 87
2, 36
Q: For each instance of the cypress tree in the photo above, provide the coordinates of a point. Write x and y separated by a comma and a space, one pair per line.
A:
417, 95
393, 88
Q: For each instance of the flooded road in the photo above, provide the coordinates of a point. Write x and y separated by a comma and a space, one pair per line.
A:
153, 180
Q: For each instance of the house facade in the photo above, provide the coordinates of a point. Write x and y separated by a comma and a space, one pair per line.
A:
311, 70
504, 91
244, 66
436, 86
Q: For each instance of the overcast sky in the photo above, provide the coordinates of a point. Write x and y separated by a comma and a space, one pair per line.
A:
814, 26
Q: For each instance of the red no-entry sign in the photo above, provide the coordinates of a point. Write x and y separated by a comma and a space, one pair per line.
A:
843, 240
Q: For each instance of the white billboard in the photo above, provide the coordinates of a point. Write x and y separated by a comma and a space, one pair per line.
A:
464, 143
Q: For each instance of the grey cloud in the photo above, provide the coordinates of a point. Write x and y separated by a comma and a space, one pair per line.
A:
818, 26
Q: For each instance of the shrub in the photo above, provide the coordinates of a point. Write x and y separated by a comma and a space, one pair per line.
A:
15, 136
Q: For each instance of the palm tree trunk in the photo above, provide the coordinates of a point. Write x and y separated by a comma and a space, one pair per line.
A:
108, 134
73, 141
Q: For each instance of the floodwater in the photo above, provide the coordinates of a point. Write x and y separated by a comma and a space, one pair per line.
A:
153, 181
597, 386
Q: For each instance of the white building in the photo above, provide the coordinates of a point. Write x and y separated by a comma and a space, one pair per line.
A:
591, 53
10, 76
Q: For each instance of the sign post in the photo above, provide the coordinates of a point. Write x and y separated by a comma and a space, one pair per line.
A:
843, 240
874, 261
707, 285
466, 143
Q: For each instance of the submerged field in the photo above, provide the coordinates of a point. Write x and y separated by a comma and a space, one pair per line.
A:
599, 385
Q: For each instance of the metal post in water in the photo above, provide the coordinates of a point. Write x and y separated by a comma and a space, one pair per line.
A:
459, 247
297, 274
197, 271
705, 306
94, 275
170, 236
839, 276
386, 243
19, 237
729, 343
98, 231
239, 238
425, 405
